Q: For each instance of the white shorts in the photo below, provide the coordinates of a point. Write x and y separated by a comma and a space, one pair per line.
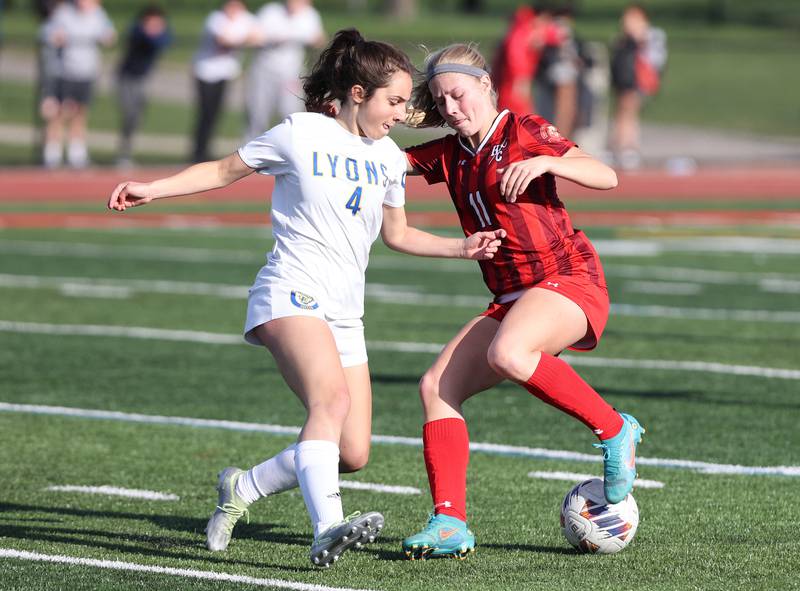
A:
271, 300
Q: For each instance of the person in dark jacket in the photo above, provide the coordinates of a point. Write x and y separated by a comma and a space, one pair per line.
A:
637, 64
147, 38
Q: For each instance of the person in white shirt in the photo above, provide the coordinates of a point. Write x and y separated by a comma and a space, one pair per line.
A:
77, 29
340, 181
274, 87
216, 63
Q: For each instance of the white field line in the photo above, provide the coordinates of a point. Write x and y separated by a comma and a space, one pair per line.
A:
128, 285
577, 477
652, 311
679, 288
696, 275
213, 338
131, 493
773, 285
488, 448
383, 488
185, 573
150, 495
606, 248
133, 252
392, 294
717, 244
95, 291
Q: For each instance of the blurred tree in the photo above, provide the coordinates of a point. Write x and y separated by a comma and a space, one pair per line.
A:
717, 11
472, 6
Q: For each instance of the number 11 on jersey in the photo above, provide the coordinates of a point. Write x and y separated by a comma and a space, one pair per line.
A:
476, 202
354, 203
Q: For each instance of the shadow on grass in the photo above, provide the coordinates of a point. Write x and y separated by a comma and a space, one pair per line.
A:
696, 397
143, 544
683, 338
398, 556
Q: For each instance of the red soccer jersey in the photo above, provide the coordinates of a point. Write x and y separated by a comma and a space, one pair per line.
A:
541, 241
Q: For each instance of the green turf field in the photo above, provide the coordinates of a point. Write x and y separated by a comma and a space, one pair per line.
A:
726, 524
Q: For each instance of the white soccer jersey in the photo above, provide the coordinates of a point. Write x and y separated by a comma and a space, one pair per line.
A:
330, 188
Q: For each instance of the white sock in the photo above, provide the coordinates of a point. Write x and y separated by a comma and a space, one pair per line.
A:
77, 154
317, 466
52, 154
275, 475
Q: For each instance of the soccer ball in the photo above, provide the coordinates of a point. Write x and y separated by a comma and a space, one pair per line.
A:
593, 525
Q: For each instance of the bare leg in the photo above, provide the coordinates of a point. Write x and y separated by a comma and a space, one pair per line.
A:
626, 128
50, 110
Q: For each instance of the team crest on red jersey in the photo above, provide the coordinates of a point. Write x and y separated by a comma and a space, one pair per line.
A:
549, 133
497, 150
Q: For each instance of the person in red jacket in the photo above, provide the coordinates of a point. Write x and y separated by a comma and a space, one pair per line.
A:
517, 57
550, 293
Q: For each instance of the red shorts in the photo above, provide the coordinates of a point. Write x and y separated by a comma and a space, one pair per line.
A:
592, 299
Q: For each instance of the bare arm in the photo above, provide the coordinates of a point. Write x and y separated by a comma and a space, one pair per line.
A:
195, 179
399, 236
576, 165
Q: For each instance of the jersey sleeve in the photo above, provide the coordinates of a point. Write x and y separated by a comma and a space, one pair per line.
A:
428, 159
396, 186
268, 153
539, 137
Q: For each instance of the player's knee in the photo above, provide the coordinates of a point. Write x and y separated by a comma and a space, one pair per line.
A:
508, 361
353, 460
429, 389
333, 407
49, 109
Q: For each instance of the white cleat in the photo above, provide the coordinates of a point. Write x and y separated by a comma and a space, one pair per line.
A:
230, 508
354, 531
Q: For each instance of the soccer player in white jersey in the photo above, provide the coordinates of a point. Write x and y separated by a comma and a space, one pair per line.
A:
339, 182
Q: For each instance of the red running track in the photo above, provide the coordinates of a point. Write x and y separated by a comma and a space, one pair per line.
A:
142, 218
708, 184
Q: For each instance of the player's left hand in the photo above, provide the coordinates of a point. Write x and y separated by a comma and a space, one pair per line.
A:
515, 178
483, 245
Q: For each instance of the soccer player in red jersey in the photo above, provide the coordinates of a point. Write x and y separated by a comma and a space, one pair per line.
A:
548, 283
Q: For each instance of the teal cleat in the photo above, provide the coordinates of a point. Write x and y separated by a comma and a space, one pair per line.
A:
444, 536
619, 459
230, 508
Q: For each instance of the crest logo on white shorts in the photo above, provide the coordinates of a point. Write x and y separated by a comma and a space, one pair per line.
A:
304, 301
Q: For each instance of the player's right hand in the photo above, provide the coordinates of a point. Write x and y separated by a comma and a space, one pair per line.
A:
129, 194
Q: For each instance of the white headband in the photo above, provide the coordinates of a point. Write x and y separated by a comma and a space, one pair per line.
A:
455, 68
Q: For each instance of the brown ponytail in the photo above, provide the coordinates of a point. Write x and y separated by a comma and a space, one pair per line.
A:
351, 60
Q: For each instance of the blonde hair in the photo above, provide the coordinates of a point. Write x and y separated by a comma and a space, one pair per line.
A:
424, 112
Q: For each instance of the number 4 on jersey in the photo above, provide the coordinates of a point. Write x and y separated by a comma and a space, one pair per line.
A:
354, 202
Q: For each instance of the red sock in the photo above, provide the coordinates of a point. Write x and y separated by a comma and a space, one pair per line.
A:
557, 384
446, 450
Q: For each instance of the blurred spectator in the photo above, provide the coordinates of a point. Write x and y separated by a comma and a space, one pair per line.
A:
517, 60
515, 63
76, 28
216, 63
284, 30
147, 38
562, 95
637, 63
48, 93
